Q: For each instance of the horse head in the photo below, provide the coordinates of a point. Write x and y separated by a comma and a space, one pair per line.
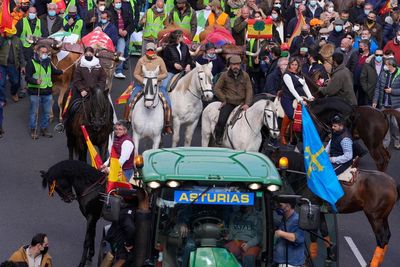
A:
150, 82
205, 80
100, 109
271, 119
61, 185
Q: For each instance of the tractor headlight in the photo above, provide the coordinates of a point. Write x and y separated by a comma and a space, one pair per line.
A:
254, 186
153, 184
173, 184
273, 187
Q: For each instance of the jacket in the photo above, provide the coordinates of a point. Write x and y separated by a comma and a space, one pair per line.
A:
369, 78
150, 64
341, 85
127, 17
21, 259
299, 42
111, 30
57, 25
336, 37
234, 90
16, 46
193, 18
273, 84
30, 70
171, 56
380, 86
239, 31
85, 79
374, 45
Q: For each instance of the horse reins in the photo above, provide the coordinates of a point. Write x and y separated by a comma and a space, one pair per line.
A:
93, 186
202, 91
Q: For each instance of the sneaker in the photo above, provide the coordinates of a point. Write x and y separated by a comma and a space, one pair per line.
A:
119, 75
45, 133
1, 132
15, 98
34, 134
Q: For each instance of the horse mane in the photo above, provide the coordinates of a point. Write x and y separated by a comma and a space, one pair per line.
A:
333, 103
185, 81
71, 169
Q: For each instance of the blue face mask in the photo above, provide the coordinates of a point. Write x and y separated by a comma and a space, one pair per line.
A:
280, 211
277, 5
44, 56
52, 13
118, 6
338, 28
378, 59
296, 5
32, 16
103, 21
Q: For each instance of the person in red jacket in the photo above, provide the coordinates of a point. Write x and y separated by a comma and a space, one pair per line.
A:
394, 45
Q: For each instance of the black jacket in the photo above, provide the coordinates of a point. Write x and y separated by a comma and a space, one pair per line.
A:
127, 17
30, 70
58, 24
171, 56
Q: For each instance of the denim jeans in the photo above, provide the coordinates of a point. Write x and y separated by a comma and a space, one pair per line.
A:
139, 88
46, 102
128, 174
165, 82
14, 78
121, 44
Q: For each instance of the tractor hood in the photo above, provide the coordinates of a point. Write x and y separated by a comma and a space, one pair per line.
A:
212, 257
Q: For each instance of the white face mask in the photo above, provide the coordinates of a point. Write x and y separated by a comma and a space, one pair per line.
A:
398, 38
159, 10
313, 3
356, 28
330, 9
274, 16
102, 8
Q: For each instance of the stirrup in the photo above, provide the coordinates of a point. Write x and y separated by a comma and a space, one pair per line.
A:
59, 128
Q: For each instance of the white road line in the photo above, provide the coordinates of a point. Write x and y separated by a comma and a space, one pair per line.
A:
355, 250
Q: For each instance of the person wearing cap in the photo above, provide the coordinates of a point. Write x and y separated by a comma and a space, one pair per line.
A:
151, 61
305, 39
218, 16
336, 36
340, 147
153, 21
184, 16
72, 22
210, 55
313, 9
232, 89
52, 23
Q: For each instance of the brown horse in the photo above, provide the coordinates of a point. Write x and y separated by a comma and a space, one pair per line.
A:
374, 192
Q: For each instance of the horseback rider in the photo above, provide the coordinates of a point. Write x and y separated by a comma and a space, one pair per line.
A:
340, 147
151, 61
232, 89
294, 88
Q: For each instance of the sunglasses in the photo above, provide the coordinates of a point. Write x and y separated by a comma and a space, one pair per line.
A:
379, 55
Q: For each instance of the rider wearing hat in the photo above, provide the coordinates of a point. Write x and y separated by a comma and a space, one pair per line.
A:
210, 55
340, 147
232, 89
151, 61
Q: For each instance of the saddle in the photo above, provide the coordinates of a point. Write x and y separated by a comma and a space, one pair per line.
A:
174, 81
74, 48
349, 176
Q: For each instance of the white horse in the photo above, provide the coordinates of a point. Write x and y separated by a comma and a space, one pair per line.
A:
245, 133
186, 100
148, 114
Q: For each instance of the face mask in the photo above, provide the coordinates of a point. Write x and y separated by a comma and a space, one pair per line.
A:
338, 28
370, 21
398, 38
32, 16
44, 56
330, 9
378, 59
160, 10
324, 37
360, 50
386, 68
366, 12
274, 16
89, 58
103, 21
280, 211
343, 49
313, 3
102, 8
52, 13
277, 5
356, 28
304, 33
24, 8
150, 53
211, 56
44, 251
118, 6
296, 5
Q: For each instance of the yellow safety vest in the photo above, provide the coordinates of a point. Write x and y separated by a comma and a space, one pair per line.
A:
251, 44
153, 26
185, 22
169, 5
26, 31
77, 29
42, 74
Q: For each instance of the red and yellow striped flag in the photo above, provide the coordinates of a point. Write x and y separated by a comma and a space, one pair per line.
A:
123, 99
300, 23
6, 25
60, 5
94, 156
67, 102
386, 8
116, 177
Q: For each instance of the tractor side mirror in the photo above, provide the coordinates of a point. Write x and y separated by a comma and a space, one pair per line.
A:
309, 216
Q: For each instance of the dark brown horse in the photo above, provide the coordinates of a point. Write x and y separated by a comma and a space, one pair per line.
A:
96, 113
374, 192
366, 123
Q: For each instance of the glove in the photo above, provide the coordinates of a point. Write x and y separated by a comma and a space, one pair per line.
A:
389, 20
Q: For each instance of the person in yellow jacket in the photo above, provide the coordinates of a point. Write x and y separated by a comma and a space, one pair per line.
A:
35, 254
153, 21
217, 16
72, 22
184, 16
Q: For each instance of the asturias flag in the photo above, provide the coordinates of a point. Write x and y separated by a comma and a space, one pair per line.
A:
322, 179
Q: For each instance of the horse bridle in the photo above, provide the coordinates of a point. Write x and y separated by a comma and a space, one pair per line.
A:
203, 91
147, 87
265, 122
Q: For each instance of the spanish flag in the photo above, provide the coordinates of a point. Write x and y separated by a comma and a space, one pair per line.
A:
60, 5
123, 99
300, 23
116, 177
94, 156
67, 103
6, 25
386, 8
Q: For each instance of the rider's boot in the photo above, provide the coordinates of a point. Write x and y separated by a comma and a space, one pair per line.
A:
285, 124
168, 120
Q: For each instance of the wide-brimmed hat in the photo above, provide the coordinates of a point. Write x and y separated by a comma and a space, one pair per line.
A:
235, 59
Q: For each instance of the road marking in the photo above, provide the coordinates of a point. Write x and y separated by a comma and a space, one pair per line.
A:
355, 250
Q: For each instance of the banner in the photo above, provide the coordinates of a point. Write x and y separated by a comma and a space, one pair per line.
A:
259, 28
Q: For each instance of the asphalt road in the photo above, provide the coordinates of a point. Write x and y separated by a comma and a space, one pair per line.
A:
25, 208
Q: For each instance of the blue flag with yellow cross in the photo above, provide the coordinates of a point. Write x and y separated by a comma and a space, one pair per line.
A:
322, 179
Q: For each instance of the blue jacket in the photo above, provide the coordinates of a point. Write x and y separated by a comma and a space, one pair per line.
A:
112, 32
274, 82
295, 249
372, 48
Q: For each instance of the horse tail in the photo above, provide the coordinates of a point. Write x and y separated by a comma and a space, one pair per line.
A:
394, 113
